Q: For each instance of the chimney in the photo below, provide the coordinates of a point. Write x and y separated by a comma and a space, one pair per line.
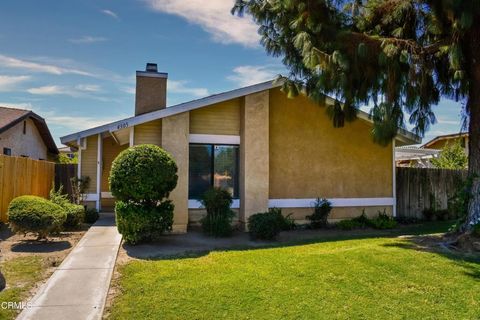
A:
151, 90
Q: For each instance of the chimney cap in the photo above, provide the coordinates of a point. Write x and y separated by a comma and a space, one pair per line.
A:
151, 67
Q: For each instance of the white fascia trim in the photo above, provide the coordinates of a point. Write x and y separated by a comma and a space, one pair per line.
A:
173, 110
336, 202
195, 204
91, 197
214, 139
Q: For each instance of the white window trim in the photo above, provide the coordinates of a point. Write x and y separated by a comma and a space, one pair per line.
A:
195, 204
214, 139
336, 202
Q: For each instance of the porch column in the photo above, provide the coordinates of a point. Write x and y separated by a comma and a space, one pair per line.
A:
254, 155
99, 171
175, 140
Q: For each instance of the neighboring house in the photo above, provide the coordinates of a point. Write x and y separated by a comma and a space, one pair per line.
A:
268, 150
67, 151
441, 141
416, 157
23, 133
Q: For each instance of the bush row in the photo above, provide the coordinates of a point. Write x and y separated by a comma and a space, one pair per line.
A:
382, 221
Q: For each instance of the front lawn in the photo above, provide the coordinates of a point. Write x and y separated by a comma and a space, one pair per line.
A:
373, 278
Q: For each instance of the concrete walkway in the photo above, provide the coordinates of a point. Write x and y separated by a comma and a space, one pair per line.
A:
79, 286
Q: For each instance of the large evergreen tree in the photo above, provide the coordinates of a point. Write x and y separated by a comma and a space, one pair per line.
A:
400, 55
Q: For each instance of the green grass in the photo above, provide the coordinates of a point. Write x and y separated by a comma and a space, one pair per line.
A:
21, 275
374, 278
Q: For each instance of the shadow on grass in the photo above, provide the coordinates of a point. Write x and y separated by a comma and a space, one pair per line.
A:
195, 244
32, 246
469, 261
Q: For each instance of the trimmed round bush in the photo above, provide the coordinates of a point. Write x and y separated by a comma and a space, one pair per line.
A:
144, 173
265, 226
91, 215
75, 215
139, 222
32, 214
218, 221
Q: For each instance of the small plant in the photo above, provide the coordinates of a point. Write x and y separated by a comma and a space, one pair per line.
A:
362, 220
75, 213
218, 221
348, 224
428, 214
265, 225
321, 210
32, 214
382, 221
91, 215
79, 188
286, 222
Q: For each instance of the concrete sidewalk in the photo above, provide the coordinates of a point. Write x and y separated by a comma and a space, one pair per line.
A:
79, 286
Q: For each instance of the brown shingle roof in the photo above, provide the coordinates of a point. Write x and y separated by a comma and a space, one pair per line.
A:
11, 116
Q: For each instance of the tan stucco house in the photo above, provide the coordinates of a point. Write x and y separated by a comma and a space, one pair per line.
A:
268, 150
23, 133
440, 142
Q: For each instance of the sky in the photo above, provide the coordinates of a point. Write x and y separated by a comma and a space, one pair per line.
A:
74, 62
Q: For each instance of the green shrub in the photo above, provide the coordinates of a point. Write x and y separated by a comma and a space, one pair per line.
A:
428, 214
75, 215
140, 222
321, 210
31, 214
265, 225
458, 203
362, 220
143, 174
442, 215
348, 224
218, 221
91, 215
382, 221
286, 222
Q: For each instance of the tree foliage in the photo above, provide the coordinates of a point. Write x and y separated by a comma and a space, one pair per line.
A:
453, 156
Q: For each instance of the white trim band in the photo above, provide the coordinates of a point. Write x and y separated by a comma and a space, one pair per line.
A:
91, 197
214, 139
336, 202
195, 204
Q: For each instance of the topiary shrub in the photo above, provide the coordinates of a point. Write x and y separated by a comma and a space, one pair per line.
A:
141, 179
141, 223
144, 173
75, 213
218, 221
319, 217
91, 215
265, 225
32, 214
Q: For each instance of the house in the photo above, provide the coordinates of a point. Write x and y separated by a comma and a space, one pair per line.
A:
24, 133
448, 139
67, 151
416, 157
268, 150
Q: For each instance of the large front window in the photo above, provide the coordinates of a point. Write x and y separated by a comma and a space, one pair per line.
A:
213, 166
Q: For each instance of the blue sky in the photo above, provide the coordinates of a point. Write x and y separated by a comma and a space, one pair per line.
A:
74, 62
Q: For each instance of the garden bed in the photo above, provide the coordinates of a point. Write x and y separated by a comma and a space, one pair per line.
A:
27, 263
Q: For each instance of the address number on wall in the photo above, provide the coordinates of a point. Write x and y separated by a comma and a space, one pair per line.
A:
122, 125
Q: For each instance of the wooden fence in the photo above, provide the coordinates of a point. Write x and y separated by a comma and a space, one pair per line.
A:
419, 189
63, 175
19, 176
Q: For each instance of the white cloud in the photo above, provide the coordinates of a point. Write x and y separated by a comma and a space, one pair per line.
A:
81, 90
110, 13
248, 75
214, 17
87, 40
31, 66
11, 83
129, 90
180, 87
21, 105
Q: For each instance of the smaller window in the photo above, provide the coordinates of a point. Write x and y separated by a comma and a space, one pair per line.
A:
24, 127
7, 151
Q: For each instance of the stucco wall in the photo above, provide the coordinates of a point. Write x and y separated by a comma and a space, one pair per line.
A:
221, 118
310, 158
30, 144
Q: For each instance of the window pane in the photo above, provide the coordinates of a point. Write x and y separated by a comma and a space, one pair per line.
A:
226, 169
200, 173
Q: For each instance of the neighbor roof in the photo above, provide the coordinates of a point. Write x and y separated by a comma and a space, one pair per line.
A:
404, 135
9, 117
445, 137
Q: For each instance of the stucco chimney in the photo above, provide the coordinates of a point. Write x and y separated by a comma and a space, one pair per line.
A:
151, 90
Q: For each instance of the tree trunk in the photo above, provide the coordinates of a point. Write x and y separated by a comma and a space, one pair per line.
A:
473, 107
